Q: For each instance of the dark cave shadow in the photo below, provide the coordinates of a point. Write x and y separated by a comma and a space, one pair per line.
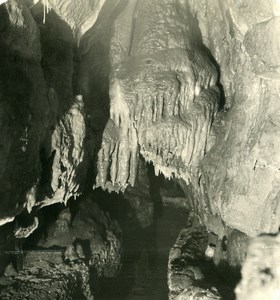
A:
146, 250
215, 276
93, 79
139, 243
155, 182
95, 91
15, 113
27, 80
59, 63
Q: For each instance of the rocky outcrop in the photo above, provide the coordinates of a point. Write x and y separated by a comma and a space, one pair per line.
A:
67, 258
89, 88
185, 275
42, 279
23, 118
104, 238
240, 173
260, 271
90, 236
67, 148
43, 123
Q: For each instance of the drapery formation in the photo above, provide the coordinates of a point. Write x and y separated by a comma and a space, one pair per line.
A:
102, 83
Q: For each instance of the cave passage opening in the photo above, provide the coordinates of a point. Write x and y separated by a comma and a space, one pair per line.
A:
84, 104
145, 256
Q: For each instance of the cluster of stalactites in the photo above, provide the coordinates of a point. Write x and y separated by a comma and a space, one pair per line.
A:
118, 156
163, 99
177, 145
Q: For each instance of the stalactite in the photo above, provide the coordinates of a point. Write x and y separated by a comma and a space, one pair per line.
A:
117, 159
80, 15
163, 100
45, 9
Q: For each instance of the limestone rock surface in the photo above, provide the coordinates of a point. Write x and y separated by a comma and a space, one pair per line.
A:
185, 275
191, 86
240, 176
261, 270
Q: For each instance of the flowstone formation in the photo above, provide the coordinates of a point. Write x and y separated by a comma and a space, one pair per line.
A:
163, 94
159, 100
92, 92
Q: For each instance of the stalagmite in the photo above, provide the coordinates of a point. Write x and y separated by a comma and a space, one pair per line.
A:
68, 146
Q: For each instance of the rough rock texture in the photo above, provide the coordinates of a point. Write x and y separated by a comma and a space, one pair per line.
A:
191, 86
241, 171
185, 277
90, 236
162, 93
67, 259
79, 15
103, 236
261, 270
43, 279
22, 116
42, 122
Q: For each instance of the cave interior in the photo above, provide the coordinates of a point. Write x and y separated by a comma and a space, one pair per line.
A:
138, 150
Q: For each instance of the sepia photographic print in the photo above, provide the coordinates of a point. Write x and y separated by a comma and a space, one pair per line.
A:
139, 149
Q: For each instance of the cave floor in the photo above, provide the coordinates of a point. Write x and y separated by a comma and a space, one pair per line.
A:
144, 273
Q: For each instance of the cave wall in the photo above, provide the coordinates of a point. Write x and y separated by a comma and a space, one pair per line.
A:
151, 81
24, 106
241, 170
44, 158
191, 86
